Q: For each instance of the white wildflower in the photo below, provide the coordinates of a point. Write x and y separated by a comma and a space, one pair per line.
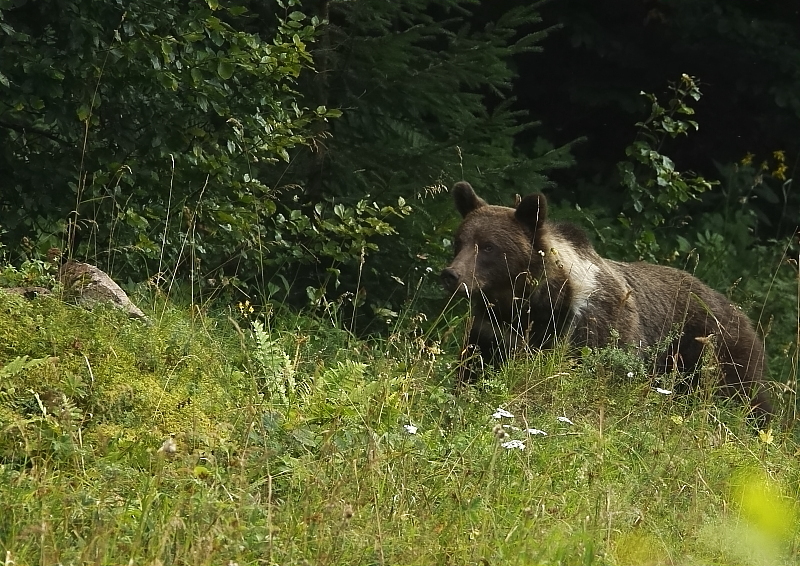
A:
410, 429
513, 445
630, 375
535, 431
500, 413
512, 427
663, 391
565, 420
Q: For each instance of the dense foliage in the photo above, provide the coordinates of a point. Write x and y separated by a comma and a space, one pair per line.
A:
167, 136
138, 135
145, 126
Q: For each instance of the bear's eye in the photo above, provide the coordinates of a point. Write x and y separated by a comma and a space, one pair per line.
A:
487, 248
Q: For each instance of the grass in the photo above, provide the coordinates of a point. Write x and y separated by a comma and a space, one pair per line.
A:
195, 441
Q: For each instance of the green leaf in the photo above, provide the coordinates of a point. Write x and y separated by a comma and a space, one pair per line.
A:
167, 80
305, 436
18, 365
225, 70
83, 112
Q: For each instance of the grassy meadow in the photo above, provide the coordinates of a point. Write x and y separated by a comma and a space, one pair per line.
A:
221, 436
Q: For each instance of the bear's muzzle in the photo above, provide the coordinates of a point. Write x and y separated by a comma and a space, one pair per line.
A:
450, 279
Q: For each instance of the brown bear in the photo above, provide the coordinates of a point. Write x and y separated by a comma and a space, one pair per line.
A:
532, 282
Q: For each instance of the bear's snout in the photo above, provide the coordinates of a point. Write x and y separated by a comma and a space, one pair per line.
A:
450, 279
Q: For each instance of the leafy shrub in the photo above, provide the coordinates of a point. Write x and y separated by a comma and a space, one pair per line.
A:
654, 189
147, 131
31, 273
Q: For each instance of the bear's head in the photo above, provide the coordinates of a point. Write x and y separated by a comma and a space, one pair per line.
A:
496, 247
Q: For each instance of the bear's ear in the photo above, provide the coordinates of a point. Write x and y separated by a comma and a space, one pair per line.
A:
532, 211
466, 199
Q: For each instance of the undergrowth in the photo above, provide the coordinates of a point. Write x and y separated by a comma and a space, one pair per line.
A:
238, 437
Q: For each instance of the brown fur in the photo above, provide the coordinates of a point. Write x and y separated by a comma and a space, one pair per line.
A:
532, 282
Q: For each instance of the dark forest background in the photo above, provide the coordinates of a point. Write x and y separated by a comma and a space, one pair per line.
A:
301, 151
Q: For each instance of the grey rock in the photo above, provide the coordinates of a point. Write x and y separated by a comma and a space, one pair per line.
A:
90, 286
